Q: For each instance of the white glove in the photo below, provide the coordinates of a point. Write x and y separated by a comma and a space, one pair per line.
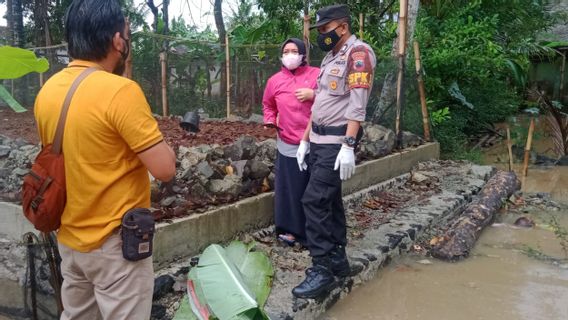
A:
303, 149
345, 162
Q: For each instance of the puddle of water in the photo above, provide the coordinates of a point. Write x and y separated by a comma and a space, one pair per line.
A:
553, 180
496, 282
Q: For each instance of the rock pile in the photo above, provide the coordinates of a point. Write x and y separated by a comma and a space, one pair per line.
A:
206, 174
16, 156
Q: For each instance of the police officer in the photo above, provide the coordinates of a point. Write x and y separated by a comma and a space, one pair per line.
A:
344, 86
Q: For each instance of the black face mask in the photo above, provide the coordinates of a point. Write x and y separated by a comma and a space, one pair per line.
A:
328, 40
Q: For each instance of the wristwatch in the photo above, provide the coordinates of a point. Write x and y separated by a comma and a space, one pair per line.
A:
350, 141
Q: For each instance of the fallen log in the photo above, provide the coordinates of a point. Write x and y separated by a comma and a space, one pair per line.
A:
462, 234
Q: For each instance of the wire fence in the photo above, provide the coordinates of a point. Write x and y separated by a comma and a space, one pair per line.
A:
194, 77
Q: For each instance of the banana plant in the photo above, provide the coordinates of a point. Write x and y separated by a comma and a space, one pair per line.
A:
16, 63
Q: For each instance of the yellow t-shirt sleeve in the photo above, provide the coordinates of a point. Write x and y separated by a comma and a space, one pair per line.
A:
130, 115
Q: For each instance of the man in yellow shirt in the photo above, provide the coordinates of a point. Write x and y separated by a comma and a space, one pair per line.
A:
111, 141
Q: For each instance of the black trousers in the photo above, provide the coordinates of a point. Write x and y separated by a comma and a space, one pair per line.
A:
322, 201
289, 188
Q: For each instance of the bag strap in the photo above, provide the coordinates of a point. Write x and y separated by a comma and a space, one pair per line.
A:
58, 140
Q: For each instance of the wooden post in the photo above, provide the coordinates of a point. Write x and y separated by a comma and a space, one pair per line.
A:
307, 29
361, 23
165, 109
227, 63
422, 92
41, 81
400, 81
528, 148
510, 148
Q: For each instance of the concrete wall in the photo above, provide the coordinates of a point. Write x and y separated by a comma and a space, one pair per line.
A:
188, 236
13, 224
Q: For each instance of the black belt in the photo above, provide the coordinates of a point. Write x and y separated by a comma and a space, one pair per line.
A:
329, 130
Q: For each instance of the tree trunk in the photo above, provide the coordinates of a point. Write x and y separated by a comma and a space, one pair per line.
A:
218, 13
462, 234
208, 78
9, 23
155, 13
18, 24
388, 92
166, 17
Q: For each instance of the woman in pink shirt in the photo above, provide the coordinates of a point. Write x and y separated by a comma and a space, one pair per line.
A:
287, 103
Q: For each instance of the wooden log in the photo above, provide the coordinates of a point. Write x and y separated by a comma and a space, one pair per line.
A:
459, 239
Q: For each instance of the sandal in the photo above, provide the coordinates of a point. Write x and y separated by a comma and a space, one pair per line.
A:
287, 238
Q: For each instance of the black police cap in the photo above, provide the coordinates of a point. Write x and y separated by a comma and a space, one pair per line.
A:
330, 13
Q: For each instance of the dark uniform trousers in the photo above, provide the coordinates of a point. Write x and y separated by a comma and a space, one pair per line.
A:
322, 201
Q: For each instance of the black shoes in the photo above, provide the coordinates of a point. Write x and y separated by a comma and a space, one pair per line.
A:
319, 280
339, 263
320, 277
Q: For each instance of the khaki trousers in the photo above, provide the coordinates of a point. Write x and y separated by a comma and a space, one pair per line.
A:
101, 284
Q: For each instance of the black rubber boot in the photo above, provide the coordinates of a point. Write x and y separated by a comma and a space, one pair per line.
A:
319, 280
339, 263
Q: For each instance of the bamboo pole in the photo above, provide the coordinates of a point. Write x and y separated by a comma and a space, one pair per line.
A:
422, 92
307, 29
528, 148
165, 109
228, 66
361, 23
510, 148
400, 81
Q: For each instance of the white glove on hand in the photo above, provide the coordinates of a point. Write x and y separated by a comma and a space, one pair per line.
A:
345, 162
303, 149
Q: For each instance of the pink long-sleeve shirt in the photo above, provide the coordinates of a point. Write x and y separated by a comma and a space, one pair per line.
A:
280, 105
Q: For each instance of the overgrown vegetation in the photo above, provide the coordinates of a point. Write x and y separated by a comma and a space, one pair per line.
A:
475, 54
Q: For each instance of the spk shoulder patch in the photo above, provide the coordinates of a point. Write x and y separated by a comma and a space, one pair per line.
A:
360, 72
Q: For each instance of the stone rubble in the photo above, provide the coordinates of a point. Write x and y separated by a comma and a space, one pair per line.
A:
203, 171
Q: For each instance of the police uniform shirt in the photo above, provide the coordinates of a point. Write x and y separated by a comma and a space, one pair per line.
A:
344, 86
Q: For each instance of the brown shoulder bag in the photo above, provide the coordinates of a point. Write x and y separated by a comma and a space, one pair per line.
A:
44, 193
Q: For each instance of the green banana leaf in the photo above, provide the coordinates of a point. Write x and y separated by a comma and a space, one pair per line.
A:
255, 267
228, 283
6, 96
184, 311
17, 62
222, 284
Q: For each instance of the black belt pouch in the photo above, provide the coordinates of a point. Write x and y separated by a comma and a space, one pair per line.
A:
137, 234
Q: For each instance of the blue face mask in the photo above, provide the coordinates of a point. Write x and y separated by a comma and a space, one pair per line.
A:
328, 40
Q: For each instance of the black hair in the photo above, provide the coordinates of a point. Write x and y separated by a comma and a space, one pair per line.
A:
301, 48
90, 26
